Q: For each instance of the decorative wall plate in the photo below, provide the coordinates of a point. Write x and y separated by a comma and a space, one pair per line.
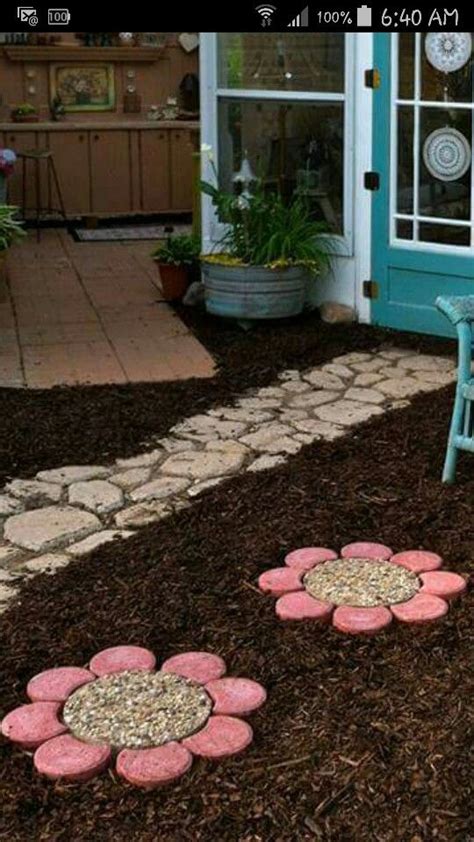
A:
447, 154
448, 51
189, 41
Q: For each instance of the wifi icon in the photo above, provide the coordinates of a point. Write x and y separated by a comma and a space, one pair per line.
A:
266, 11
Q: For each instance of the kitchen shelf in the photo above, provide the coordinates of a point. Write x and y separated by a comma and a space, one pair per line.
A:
125, 54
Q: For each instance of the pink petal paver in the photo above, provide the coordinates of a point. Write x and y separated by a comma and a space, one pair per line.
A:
299, 605
307, 557
56, 684
222, 736
366, 549
418, 561
421, 608
353, 620
154, 766
69, 759
198, 666
280, 580
33, 724
443, 583
236, 696
120, 658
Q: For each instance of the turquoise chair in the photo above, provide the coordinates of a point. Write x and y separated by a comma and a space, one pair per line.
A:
460, 312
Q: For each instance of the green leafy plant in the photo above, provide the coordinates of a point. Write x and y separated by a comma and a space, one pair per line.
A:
24, 110
262, 229
182, 250
11, 229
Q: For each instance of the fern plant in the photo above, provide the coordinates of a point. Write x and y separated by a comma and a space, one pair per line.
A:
11, 229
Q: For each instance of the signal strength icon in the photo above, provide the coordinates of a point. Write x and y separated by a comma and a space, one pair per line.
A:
301, 20
266, 11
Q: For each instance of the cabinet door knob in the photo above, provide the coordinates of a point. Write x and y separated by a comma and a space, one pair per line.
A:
81, 137
12, 138
96, 137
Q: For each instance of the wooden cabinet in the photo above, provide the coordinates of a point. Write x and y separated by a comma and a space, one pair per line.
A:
71, 156
136, 168
110, 167
181, 170
155, 181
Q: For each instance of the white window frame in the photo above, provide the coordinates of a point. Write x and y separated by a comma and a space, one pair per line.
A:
210, 96
417, 104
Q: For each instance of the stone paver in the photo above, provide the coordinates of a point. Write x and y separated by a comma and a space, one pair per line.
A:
96, 495
34, 492
53, 526
73, 473
96, 540
259, 432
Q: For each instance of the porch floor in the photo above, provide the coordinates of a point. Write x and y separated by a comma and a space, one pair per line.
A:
90, 313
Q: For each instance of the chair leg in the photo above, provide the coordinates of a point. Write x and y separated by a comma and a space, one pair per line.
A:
449, 470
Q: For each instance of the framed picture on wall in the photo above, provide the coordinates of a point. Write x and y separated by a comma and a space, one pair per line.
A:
83, 87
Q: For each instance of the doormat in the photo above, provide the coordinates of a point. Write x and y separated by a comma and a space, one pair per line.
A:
129, 232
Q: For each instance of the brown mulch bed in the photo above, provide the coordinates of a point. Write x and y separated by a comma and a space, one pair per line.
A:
360, 739
84, 425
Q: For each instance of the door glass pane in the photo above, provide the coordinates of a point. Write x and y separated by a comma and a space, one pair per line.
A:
297, 61
453, 86
449, 198
290, 147
406, 66
404, 229
405, 160
448, 235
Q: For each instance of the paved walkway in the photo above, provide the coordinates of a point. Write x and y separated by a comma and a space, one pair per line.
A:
66, 512
83, 313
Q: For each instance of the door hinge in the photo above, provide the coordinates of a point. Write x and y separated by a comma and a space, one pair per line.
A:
370, 289
372, 78
372, 180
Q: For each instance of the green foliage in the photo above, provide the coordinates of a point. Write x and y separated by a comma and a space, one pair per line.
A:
183, 250
23, 110
264, 230
11, 229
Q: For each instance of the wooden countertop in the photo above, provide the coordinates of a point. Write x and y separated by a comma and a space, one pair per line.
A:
94, 125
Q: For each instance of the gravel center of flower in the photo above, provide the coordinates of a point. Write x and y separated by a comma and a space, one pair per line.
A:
137, 709
361, 582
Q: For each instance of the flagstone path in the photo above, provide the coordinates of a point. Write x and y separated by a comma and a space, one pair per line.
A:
66, 512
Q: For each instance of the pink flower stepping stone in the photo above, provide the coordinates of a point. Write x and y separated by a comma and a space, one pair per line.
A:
301, 606
198, 666
443, 583
120, 658
154, 766
366, 549
236, 696
55, 685
280, 580
307, 557
418, 561
421, 608
68, 758
220, 737
30, 725
353, 620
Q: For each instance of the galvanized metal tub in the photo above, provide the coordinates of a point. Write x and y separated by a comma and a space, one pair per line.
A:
254, 292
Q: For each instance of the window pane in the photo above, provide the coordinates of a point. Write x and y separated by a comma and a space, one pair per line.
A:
448, 199
404, 229
453, 86
290, 147
447, 235
405, 160
286, 62
406, 65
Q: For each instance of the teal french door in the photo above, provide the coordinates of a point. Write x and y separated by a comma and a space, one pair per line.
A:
423, 212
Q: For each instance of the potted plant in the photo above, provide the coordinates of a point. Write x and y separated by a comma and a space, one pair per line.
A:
25, 113
176, 259
269, 250
11, 231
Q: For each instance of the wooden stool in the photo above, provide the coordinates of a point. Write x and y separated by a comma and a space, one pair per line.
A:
38, 155
459, 309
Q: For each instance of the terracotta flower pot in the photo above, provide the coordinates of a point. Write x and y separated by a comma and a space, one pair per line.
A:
25, 118
174, 280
